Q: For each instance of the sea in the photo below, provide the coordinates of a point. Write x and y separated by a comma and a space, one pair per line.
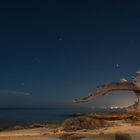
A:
9, 117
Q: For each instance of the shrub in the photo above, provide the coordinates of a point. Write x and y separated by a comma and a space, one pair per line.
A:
83, 122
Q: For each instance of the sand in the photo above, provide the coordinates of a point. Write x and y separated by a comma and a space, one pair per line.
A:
54, 134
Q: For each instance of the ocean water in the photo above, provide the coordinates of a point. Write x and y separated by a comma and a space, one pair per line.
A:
24, 116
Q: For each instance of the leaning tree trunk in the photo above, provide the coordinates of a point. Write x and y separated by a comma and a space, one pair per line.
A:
104, 89
136, 106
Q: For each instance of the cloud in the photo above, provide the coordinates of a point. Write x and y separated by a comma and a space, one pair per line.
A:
14, 92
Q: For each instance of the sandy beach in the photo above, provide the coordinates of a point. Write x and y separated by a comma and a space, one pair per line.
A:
45, 133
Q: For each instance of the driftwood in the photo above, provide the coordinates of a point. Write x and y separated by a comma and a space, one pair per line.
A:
104, 89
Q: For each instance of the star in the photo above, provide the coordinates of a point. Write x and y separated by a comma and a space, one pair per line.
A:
117, 65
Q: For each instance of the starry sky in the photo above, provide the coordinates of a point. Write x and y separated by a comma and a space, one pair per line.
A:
52, 51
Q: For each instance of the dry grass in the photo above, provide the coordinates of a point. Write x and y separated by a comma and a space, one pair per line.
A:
111, 115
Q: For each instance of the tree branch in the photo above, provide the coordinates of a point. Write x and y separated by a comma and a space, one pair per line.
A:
104, 89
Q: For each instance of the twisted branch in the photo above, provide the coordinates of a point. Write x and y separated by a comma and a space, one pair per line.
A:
104, 89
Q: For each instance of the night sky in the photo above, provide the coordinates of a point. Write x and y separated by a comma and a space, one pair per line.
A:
52, 51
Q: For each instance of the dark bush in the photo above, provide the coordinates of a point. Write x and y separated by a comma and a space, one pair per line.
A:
83, 122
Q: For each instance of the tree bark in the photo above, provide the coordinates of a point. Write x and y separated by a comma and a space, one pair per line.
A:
104, 89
